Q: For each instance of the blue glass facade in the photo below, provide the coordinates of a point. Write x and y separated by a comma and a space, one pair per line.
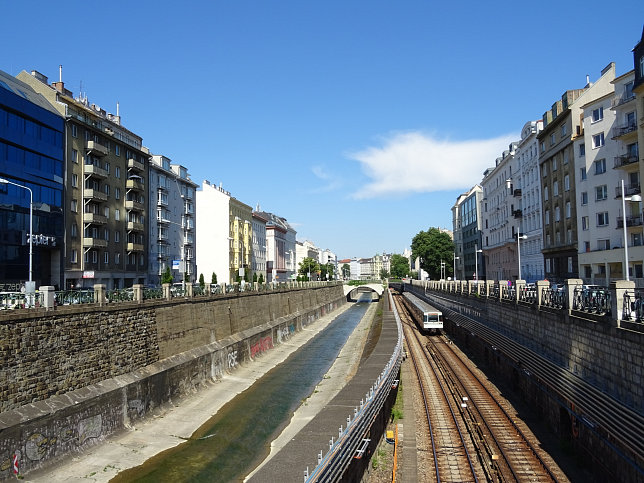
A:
32, 155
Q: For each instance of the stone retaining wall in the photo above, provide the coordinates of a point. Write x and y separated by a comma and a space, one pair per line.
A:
85, 374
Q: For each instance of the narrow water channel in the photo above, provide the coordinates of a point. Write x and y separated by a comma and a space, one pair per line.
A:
238, 437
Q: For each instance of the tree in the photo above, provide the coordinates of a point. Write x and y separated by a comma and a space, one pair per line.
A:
326, 269
254, 277
346, 271
399, 266
384, 273
309, 266
213, 279
167, 276
202, 282
261, 278
432, 247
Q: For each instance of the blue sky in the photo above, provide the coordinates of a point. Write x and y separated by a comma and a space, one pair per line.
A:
360, 122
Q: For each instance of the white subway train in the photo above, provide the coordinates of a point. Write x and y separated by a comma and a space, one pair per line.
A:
428, 318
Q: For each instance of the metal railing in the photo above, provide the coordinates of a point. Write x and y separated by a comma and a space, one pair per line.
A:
596, 301
633, 307
553, 297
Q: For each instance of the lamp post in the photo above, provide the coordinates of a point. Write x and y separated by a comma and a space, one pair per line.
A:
30, 288
455, 258
476, 257
635, 199
519, 238
442, 270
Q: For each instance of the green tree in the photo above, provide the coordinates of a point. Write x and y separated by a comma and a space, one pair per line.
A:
309, 266
202, 281
346, 270
261, 278
167, 276
384, 273
326, 269
254, 277
399, 266
213, 278
434, 246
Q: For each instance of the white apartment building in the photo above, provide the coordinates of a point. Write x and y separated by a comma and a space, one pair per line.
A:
173, 224
327, 257
213, 243
355, 269
306, 249
604, 160
528, 183
501, 217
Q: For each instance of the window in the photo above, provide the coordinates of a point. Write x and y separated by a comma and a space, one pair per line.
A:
600, 166
117, 236
545, 170
582, 149
569, 236
585, 223
582, 174
94, 256
554, 163
106, 212
74, 206
106, 258
117, 214
552, 139
567, 183
555, 188
107, 167
117, 193
587, 248
74, 131
557, 215
74, 156
117, 258
117, 172
545, 193
74, 230
567, 209
636, 239
601, 192
584, 197
117, 149
602, 218
73, 258
547, 215
75, 180
603, 244
565, 157
598, 140
569, 264
547, 264
106, 189
598, 114
564, 130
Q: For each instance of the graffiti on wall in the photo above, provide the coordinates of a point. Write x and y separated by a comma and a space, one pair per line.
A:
261, 346
232, 359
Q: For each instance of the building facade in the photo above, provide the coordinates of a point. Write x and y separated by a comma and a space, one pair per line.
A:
259, 247
173, 229
31, 156
106, 205
280, 248
240, 236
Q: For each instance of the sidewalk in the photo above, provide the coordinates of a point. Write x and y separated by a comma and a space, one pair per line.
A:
178, 422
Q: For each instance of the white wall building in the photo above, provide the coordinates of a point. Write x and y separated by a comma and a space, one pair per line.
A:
306, 249
213, 245
528, 182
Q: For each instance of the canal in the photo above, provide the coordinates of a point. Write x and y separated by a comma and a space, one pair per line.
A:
237, 438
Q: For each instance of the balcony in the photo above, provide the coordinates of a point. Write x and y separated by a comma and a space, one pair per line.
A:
94, 218
134, 226
134, 247
633, 220
135, 165
517, 213
134, 205
623, 130
96, 148
162, 201
629, 189
163, 221
625, 160
623, 99
95, 195
95, 171
517, 193
94, 243
134, 184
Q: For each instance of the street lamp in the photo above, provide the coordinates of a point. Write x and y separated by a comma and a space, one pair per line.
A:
476, 256
455, 258
30, 288
519, 238
635, 199
442, 270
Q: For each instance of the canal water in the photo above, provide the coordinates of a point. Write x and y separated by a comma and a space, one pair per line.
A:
234, 441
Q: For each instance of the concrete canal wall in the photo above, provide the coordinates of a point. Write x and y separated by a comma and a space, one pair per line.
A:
74, 376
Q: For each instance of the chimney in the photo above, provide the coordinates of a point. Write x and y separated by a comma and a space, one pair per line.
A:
60, 85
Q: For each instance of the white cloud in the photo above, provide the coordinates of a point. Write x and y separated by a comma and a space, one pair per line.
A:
329, 182
414, 162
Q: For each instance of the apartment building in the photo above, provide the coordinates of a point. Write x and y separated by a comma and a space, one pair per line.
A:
173, 230
306, 249
31, 188
259, 246
501, 212
106, 205
528, 184
280, 248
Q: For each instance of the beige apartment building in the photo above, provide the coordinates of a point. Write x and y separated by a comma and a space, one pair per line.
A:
241, 240
106, 174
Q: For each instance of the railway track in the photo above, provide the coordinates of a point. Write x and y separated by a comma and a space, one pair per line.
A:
473, 436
